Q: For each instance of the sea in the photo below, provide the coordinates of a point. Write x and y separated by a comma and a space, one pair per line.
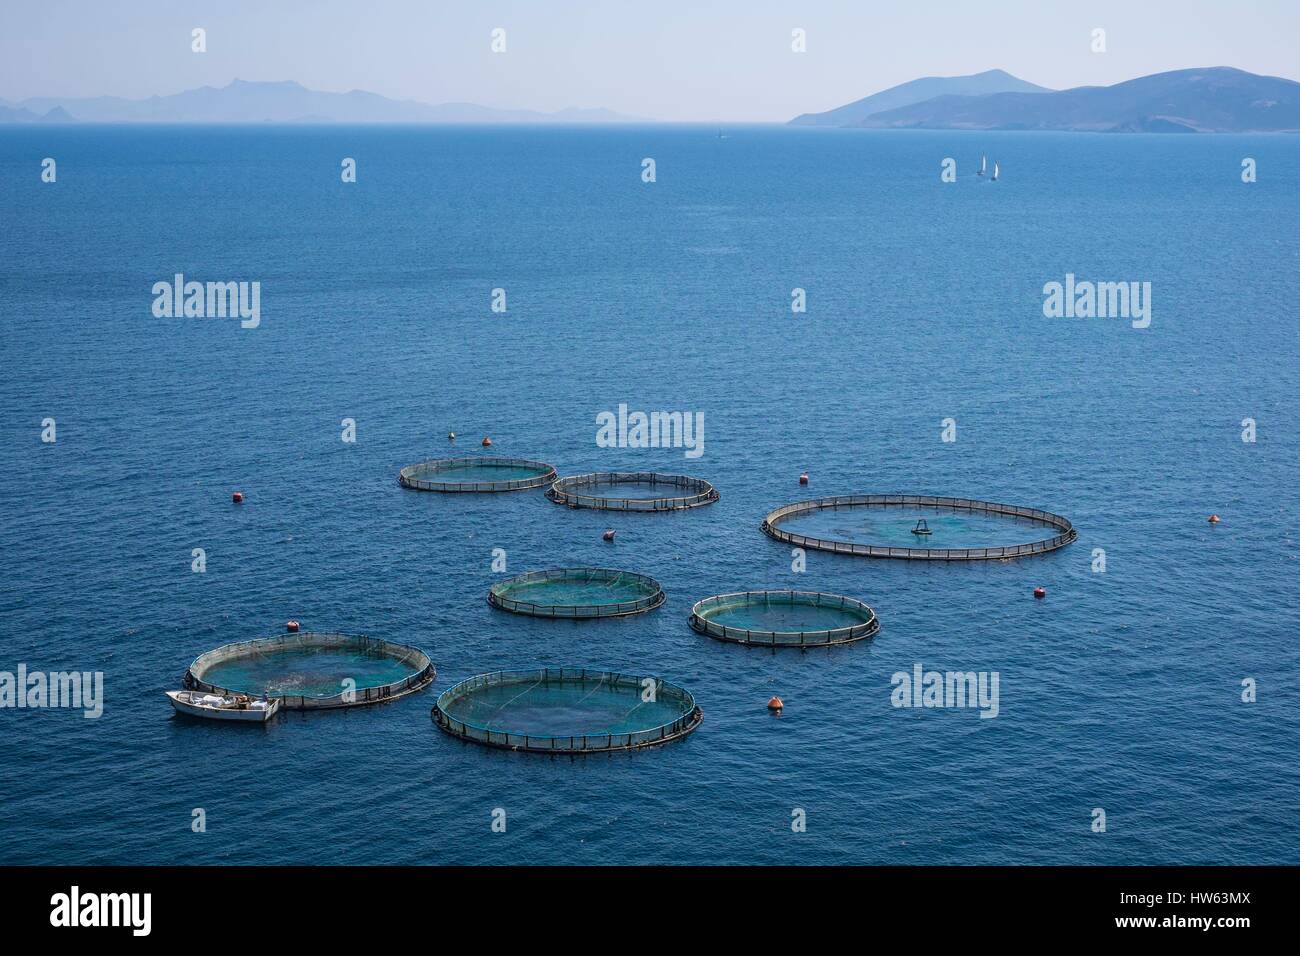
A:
828, 304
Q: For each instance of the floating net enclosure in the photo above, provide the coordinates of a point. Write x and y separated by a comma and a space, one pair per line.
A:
784, 618
577, 593
919, 526
632, 491
566, 710
476, 474
307, 671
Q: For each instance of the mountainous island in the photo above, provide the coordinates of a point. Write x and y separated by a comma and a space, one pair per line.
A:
242, 101
1216, 99
918, 91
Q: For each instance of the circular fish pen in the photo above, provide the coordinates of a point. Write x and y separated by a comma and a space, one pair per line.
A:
566, 710
894, 526
577, 593
632, 491
476, 474
308, 671
784, 618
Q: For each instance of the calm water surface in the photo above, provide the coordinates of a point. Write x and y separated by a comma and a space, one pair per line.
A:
1121, 690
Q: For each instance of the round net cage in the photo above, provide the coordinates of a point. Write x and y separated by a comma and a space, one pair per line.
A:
566, 710
784, 618
476, 474
632, 491
577, 593
313, 671
922, 527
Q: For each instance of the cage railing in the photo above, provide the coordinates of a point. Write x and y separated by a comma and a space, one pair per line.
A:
562, 491
412, 477
498, 596
700, 621
1067, 531
424, 672
566, 743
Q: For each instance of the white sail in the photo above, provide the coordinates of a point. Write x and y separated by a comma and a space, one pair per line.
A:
984, 164
995, 170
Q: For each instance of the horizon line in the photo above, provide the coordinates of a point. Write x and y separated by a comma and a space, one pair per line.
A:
631, 120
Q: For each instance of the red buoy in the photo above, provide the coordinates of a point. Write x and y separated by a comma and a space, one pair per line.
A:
776, 703
237, 497
291, 626
1040, 592
1214, 519
608, 535
803, 479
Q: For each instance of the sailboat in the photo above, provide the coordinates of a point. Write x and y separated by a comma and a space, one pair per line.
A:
984, 164
995, 171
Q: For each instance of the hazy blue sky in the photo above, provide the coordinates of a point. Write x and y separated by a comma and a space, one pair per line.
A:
724, 60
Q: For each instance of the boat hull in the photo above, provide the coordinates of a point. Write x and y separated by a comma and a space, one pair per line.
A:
258, 715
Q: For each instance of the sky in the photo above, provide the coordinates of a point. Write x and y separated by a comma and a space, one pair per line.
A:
700, 61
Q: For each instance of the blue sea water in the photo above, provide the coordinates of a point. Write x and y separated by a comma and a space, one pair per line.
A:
1121, 690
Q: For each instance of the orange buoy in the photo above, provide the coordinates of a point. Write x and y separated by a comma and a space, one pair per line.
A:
1040, 592
1214, 519
486, 441
803, 479
608, 535
237, 497
776, 703
291, 626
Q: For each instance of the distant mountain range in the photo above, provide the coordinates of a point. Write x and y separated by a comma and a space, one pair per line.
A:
918, 91
285, 102
16, 114
1216, 99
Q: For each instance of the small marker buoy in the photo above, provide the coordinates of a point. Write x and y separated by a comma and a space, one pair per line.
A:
776, 703
486, 441
237, 497
608, 535
451, 436
1214, 519
803, 479
1040, 592
291, 626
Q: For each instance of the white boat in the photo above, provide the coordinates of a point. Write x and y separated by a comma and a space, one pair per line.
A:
984, 164
216, 707
995, 172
